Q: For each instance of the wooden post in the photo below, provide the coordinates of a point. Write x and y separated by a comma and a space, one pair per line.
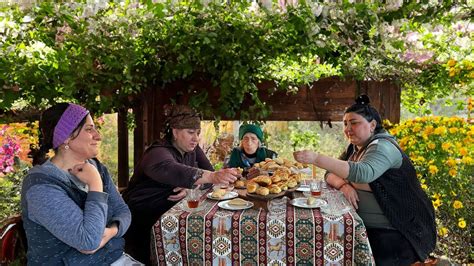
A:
122, 133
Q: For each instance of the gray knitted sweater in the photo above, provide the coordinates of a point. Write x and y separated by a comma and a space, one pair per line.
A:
61, 217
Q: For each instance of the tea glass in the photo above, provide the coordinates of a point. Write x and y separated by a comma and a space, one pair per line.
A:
315, 188
192, 199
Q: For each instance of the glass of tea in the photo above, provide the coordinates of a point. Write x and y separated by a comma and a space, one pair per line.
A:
193, 198
315, 188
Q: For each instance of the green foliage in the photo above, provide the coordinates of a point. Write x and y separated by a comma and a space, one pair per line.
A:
304, 139
10, 189
442, 150
305, 135
101, 54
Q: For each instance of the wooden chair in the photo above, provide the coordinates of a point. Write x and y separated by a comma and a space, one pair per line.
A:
12, 241
427, 262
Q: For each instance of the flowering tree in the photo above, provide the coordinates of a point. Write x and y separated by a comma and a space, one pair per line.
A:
101, 53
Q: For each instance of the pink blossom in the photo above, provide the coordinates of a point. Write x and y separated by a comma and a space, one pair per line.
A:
9, 149
412, 37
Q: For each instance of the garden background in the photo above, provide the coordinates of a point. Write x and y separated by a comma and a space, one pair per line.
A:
102, 54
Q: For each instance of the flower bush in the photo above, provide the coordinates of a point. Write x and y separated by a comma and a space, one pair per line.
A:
14, 164
442, 150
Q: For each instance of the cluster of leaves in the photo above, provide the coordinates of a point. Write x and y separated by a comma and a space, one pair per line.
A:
102, 53
442, 150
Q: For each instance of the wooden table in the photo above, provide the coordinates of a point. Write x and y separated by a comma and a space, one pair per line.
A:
281, 235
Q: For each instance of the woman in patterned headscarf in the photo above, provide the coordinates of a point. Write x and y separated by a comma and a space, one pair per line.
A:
168, 167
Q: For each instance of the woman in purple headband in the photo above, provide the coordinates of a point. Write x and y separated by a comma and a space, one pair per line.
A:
71, 210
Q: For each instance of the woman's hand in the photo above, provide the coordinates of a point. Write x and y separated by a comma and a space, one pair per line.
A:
305, 156
89, 175
225, 176
176, 197
351, 194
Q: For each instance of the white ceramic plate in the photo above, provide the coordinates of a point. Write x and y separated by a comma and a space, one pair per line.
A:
301, 202
303, 188
225, 205
228, 195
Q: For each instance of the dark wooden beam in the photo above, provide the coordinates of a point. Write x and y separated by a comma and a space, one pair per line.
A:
324, 100
122, 134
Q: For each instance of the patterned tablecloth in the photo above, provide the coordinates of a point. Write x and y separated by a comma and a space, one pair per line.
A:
283, 235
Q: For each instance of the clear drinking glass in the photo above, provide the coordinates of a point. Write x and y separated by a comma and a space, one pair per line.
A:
192, 198
315, 188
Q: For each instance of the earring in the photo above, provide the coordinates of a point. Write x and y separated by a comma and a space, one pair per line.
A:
66, 147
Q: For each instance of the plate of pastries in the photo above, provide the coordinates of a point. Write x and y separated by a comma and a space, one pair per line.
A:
277, 185
278, 163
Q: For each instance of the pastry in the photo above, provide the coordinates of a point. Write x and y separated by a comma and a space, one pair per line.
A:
310, 200
239, 184
263, 191
263, 180
283, 186
279, 161
252, 187
274, 189
272, 166
240, 170
276, 179
218, 193
292, 183
237, 202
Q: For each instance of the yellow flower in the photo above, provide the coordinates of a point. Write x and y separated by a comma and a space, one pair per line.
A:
416, 128
453, 172
431, 145
463, 151
453, 130
433, 169
440, 130
424, 186
461, 223
451, 162
443, 231
453, 193
445, 146
436, 196
436, 203
451, 62
457, 204
428, 130
467, 160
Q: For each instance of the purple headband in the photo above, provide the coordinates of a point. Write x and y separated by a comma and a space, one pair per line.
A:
69, 120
